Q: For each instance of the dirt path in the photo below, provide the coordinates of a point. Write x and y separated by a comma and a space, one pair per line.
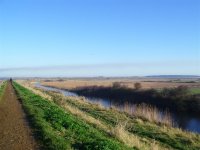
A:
15, 133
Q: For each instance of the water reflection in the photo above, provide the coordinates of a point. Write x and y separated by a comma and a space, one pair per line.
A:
183, 121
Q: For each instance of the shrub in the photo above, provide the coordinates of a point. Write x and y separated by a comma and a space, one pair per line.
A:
138, 86
116, 85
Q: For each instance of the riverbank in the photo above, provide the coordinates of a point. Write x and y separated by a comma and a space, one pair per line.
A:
175, 99
123, 127
189, 122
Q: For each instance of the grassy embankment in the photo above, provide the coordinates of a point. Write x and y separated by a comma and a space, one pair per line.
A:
120, 129
58, 129
143, 130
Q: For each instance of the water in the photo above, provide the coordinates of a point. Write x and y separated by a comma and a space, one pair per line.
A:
64, 92
183, 121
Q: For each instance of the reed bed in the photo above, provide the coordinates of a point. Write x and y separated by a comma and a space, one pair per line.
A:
149, 113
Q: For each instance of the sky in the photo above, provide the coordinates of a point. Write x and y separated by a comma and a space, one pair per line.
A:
74, 38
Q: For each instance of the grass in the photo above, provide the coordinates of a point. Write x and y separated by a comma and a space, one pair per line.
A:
174, 99
149, 113
58, 129
195, 91
2, 88
78, 83
117, 131
38, 92
161, 135
124, 129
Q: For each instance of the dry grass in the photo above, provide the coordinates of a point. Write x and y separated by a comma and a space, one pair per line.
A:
1, 83
156, 84
75, 111
123, 135
149, 113
28, 85
71, 84
124, 125
119, 131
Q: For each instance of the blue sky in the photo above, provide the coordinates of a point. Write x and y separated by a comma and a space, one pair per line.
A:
99, 37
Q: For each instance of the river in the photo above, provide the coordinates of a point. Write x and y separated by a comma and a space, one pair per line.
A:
184, 121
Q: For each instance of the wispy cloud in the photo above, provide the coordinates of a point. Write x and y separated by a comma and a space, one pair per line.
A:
107, 69
107, 65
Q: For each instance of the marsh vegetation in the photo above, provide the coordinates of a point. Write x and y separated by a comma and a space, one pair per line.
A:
72, 122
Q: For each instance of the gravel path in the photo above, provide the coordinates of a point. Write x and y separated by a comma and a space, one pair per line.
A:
15, 133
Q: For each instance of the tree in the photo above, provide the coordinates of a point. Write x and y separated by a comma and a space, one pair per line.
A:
137, 86
116, 85
182, 90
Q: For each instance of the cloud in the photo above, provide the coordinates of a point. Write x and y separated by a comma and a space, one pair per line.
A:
106, 69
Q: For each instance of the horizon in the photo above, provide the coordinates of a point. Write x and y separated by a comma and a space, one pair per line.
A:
99, 38
109, 77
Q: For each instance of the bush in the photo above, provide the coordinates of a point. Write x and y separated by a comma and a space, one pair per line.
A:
182, 90
138, 86
116, 85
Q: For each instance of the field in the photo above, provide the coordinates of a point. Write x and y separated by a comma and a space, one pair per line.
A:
62, 122
195, 91
147, 83
68, 123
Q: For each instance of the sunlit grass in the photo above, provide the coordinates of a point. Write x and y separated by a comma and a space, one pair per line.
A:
58, 129
150, 113
194, 91
124, 126
2, 88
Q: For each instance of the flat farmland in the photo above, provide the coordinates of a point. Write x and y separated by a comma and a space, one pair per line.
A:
146, 83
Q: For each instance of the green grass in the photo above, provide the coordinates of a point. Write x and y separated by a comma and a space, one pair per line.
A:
2, 88
194, 91
166, 136
57, 129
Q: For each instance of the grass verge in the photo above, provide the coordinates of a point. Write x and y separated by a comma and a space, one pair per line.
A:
2, 88
57, 129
